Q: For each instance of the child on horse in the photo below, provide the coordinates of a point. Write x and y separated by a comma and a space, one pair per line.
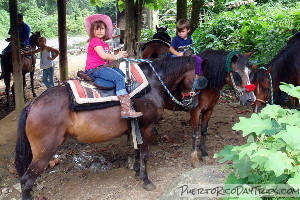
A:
99, 28
182, 41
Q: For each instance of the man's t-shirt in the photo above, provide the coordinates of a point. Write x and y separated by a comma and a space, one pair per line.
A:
93, 59
178, 42
24, 32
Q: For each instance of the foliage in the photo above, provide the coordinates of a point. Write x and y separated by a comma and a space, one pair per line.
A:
272, 152
260, 29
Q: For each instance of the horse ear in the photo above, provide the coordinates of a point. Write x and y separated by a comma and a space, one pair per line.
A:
234, 58
269, 70
156, 27
248, 54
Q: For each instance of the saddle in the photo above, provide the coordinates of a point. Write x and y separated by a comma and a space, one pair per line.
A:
84, 95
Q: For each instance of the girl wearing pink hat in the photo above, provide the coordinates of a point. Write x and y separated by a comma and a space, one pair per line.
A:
99, 28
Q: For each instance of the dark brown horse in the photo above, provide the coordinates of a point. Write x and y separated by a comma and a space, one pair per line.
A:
285, 67
218, 74
27, 63
159, 44
47, 122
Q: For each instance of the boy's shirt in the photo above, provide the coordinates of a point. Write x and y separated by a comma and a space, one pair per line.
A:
178, 42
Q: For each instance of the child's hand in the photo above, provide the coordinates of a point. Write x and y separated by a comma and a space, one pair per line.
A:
179, 54
123, 54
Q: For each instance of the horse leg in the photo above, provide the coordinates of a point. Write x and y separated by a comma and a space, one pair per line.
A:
144, 155
204, 125
195, 118
32, 83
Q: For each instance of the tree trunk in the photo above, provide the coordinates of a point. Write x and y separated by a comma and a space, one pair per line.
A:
130, 27
62, 40
133, 16
181, 10
16, 60
195, 16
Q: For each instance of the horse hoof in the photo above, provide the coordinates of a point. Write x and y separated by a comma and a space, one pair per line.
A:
149, 187
195, 164
205, 158
34, 95
137, 177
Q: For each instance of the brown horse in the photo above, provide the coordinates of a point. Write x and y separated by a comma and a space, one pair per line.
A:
159, 44
47, 121
218, 74
285, 67
27, 63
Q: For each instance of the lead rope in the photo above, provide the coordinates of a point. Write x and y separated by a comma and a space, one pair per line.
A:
159, 78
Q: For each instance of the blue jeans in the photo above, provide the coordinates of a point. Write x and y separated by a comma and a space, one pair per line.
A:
48, 77
109, 74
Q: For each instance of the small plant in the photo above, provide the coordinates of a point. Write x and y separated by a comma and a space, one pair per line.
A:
272, 152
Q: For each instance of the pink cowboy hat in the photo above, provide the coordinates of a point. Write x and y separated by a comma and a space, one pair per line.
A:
99, 17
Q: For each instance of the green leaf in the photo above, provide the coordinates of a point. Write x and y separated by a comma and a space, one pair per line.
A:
248, 150
278, 162
226, 153
254, 124
291, 90
291, 136
270, 111
295, 181
243, 167
232, 179
293, 119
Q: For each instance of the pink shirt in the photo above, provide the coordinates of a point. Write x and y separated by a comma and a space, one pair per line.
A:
93, 60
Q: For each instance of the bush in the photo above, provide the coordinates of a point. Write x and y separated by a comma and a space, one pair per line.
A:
272, 152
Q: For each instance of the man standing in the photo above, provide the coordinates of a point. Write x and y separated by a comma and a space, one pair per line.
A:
24, 32
116, 38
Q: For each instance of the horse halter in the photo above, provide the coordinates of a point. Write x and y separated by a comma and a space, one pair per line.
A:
192, 94
248, 88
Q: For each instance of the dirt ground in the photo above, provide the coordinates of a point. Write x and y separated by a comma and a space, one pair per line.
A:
103, 171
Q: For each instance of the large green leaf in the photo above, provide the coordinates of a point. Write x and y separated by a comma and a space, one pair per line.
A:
248, 150
225, 153
278, 162
243, 167
293, 119
270, 111
291, 136
254, 124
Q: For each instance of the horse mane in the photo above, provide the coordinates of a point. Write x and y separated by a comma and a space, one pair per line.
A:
284, 62
173, 67
215, 67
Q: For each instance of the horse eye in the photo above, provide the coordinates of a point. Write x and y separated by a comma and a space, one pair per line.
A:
237, 79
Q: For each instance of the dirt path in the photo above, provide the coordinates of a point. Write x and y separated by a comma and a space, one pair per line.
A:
102, 171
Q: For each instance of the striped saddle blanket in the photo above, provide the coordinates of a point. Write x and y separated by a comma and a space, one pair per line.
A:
85, 96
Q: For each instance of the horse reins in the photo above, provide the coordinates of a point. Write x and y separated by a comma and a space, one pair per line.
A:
192, 93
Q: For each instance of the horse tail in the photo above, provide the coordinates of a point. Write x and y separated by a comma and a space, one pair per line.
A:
23, 150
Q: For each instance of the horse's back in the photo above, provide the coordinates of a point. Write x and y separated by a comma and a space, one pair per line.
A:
154, 50
50, 116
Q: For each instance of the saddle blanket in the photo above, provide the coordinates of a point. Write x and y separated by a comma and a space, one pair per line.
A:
83, 92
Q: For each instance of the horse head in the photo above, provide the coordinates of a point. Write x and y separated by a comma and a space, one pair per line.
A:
263, 89
239, 78
34, 39
161, 29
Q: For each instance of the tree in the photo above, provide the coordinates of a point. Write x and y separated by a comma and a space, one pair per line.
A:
195, 14
133, 17
181, 10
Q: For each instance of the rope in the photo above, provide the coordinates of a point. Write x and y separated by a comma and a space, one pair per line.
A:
228, 66
271, 86
159, 78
